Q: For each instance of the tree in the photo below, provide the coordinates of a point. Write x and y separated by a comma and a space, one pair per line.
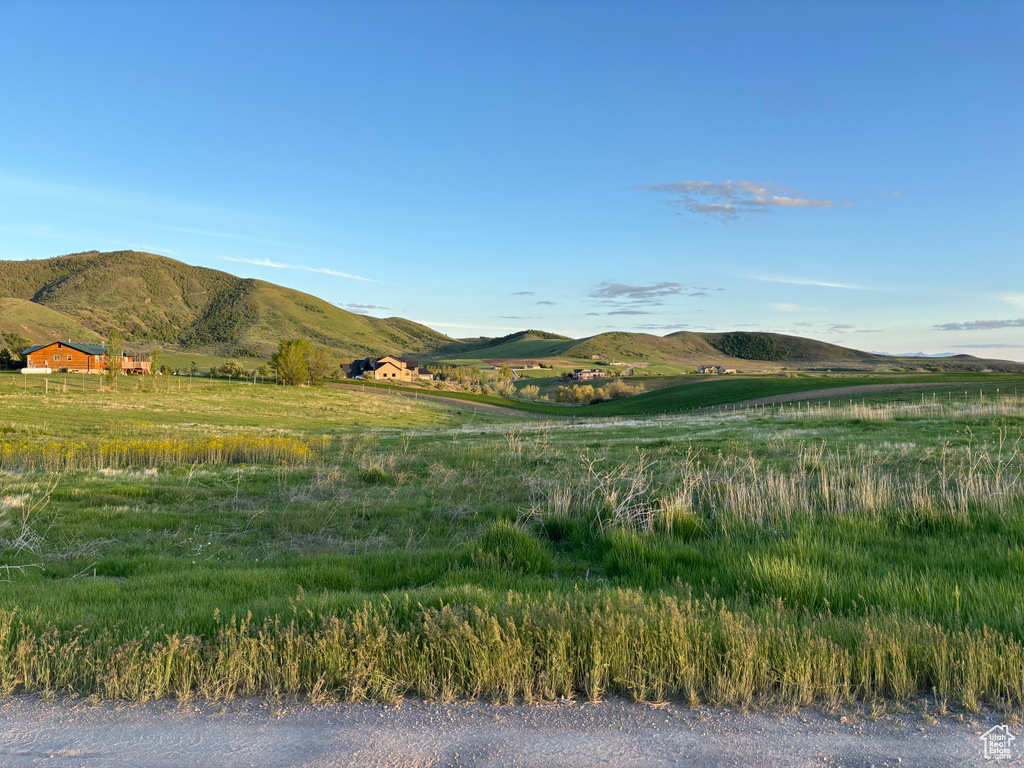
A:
232, 368
264, 371
193, 369
6, 360
320, 364
18, 344
155, 359
290, 361
505, 373
114, 351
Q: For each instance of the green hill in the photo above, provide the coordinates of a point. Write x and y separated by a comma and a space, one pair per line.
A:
747, 351
20, 318
155, 299
515, 346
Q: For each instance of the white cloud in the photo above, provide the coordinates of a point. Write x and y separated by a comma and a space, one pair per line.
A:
981, 325
1017, 299
730, 199
301, 267
807, 281
438, 324
784, 307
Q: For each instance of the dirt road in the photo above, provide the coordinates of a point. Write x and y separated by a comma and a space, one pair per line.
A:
615, 733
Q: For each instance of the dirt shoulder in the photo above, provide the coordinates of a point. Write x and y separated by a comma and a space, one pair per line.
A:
418, 734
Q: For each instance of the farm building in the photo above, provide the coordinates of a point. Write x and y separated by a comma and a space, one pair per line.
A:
388, 368
585, 374
72, 357
715, 369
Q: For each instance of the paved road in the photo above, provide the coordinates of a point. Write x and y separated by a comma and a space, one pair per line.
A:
417, 735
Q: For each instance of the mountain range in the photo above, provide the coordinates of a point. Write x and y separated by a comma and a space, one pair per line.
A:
157, 301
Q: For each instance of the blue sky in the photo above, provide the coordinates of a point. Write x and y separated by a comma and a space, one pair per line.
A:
846, 171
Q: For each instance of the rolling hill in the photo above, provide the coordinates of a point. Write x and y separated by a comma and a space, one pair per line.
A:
23, 319
745, 351
158, 301
155, 299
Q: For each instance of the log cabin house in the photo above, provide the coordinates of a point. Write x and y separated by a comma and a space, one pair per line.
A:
72, 357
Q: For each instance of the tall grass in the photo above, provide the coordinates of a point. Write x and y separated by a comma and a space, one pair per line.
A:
61, 455
530, 649
807, 480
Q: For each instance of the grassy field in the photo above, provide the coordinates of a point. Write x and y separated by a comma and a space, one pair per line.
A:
671, 395
183, 361
235, 540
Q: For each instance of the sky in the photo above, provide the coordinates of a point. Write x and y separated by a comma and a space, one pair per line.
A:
847, 171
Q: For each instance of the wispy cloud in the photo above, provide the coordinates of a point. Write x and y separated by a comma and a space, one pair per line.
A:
471, 326
360, 309
1017, 299
980, 325
300, 267
806, 281
522, 293
649, 293
784, 307
670, 327
728, 200
548, 303
628, 299
984, 346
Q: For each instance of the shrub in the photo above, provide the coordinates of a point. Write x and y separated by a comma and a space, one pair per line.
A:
506, 547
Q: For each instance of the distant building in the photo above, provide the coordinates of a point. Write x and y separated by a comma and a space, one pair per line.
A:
72, 357
585, 374
387, 368
714, 370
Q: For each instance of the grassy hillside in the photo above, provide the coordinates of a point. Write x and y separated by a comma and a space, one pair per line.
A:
157, 299
793, 349
629, 347
521, 345
38, 324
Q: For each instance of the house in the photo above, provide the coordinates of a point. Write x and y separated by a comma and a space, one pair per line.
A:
72, 357
585, 374
387, 368
714, 369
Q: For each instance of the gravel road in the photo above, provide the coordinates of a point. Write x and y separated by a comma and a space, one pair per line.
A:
614, 733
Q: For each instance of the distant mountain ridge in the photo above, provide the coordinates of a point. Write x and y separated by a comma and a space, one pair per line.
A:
153, 298
158, 301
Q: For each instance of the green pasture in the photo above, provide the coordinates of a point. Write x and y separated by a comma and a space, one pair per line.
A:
228, 539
